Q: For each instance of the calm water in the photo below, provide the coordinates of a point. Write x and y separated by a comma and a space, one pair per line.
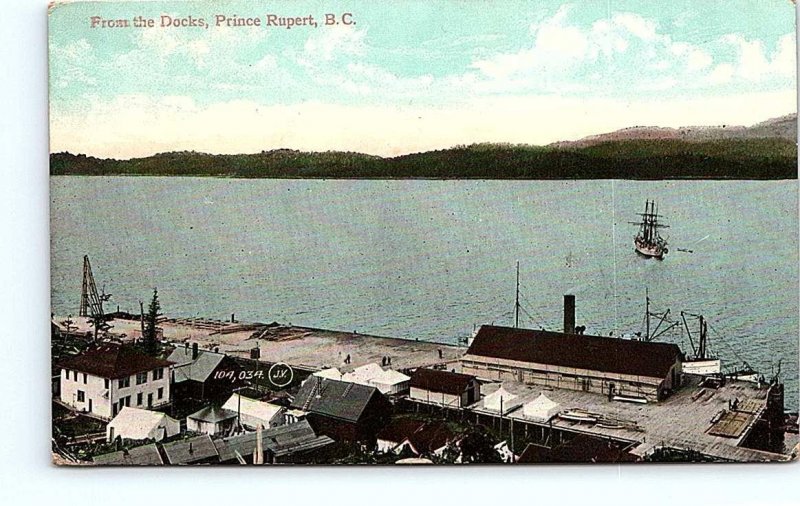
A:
429, 259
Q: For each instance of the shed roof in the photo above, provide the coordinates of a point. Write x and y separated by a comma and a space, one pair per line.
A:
199, 369
146, 455
337, 399
190, 450
283, 440
112, 360
452, 383
594, 353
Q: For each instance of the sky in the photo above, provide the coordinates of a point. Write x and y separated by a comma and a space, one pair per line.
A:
411, 76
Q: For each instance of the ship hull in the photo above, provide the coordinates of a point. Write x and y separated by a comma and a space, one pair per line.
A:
650, 251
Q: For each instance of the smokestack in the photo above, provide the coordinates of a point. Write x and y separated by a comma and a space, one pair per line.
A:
569, 314
194, 345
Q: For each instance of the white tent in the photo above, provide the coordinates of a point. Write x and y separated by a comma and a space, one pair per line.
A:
373, 375
332, 373
134, 423
391, 382
254, 413
541, 408
363, 374
499, 399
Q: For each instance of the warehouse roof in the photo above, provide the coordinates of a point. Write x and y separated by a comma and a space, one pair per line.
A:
594, 353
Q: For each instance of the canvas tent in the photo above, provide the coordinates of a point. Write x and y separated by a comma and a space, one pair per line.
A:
332, 373
541, 408
254, 413
134, 423
387, 382
500, 399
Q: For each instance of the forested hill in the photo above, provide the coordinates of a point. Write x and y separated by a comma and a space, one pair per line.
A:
748, 158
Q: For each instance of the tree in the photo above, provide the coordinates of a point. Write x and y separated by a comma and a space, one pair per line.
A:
150, 335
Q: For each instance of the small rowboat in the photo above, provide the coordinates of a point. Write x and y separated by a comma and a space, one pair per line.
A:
575, 415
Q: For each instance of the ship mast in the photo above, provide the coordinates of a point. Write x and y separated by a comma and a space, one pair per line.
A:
516, 301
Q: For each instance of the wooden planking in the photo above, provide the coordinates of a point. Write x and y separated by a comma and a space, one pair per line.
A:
732, 424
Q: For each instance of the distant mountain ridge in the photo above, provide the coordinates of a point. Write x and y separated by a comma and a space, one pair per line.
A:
767, 150
784, 127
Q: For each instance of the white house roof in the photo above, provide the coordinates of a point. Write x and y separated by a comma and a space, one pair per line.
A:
332, 373
134, 423
499, 399
540, 407
252, 408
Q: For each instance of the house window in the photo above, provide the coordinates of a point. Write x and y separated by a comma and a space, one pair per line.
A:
158, 374
75, 375
141, 378
161, 393
139, 398
66, 373
125, 382
84, 378
81, 396
106, 382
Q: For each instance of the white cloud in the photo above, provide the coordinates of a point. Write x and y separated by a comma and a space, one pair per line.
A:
753, 63
135, 125
620, 47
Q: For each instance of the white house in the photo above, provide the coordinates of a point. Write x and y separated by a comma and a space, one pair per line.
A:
108, 376
541, 409
253, 413
134, 423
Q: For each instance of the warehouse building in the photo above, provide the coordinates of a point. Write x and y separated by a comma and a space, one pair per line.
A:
619, 368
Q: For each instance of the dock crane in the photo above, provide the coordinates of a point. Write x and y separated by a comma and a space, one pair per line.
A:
92, 301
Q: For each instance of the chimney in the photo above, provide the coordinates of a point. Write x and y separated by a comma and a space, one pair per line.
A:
194, 345
569, 314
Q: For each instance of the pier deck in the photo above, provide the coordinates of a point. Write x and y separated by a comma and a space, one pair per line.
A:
305, 347
684, 420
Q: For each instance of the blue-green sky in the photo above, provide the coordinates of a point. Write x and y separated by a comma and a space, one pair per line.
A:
412, 75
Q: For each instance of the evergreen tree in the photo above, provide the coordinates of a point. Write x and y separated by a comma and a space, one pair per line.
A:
151, 343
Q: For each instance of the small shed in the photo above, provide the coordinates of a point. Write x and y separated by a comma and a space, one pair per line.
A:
253, 412
501, 401
443, 387
211, 420
137, 424
541, 408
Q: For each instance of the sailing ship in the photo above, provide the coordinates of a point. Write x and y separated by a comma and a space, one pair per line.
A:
648, 242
